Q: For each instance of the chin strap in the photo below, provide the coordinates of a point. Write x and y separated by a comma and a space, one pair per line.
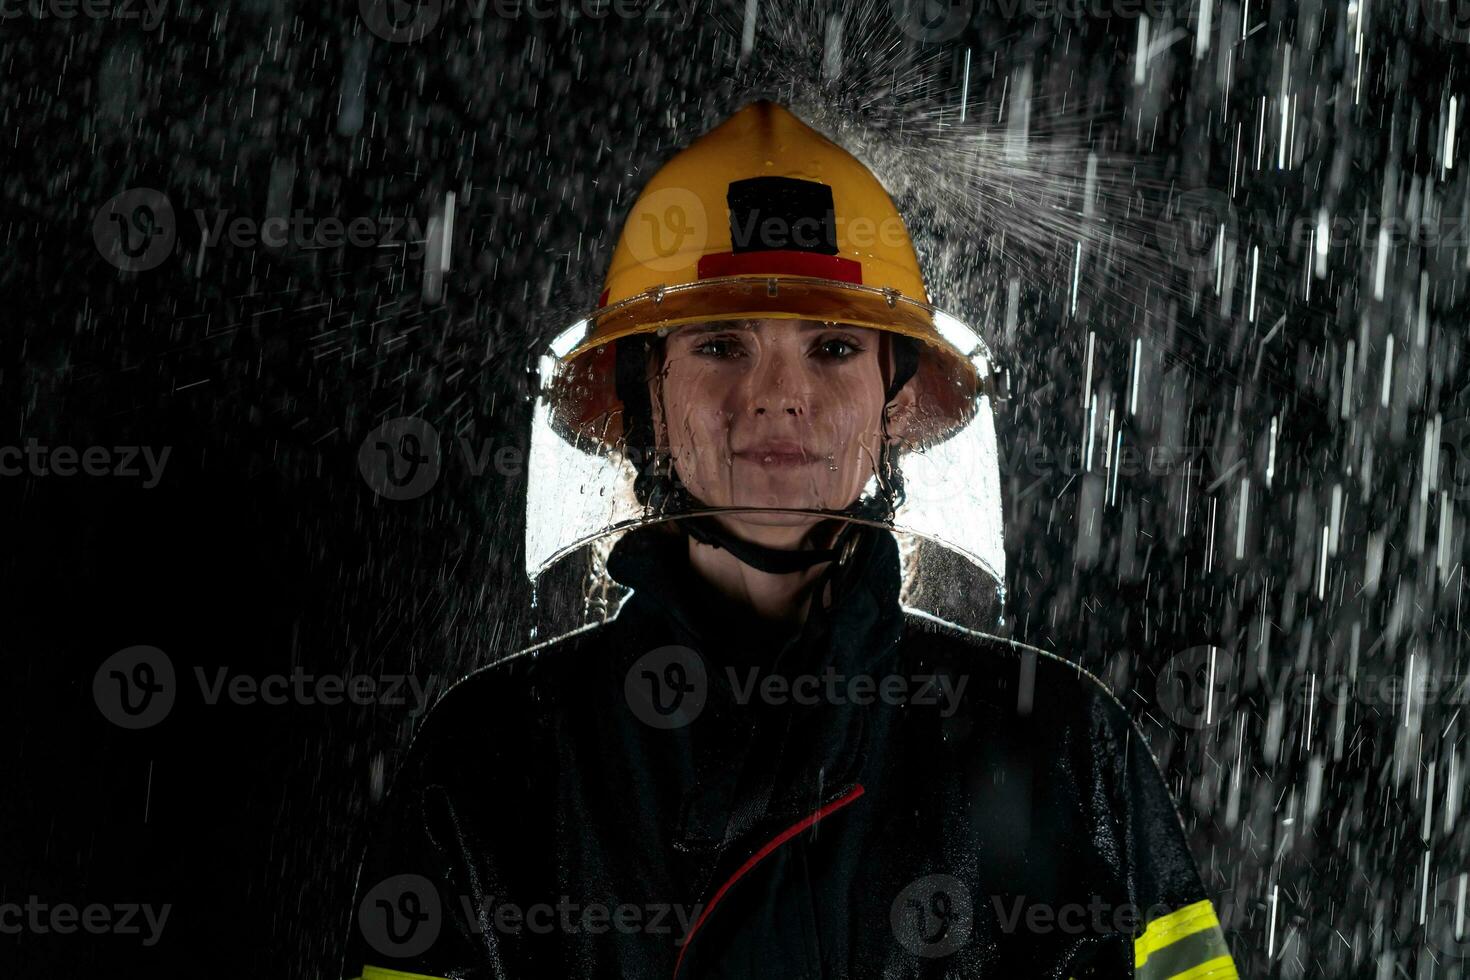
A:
773, 561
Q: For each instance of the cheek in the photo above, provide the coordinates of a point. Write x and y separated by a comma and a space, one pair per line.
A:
851, 409
705, 410
696, 407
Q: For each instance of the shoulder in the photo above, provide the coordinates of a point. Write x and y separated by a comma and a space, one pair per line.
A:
515, 697
1014, 676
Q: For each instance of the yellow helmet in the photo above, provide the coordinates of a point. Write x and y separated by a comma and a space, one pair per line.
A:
763, 217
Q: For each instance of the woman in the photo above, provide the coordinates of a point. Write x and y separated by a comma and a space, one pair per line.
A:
764, 765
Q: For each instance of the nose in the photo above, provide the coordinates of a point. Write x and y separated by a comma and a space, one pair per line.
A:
778, 385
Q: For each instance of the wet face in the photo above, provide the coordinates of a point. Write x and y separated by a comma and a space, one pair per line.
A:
773, 414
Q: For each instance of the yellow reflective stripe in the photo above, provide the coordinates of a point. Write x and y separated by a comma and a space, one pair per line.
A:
1169, 929
1220, 968
383, 973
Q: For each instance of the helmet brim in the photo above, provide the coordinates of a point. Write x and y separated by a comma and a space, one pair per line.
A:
954, 363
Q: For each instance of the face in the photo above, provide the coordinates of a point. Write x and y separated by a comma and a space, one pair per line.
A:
773, 413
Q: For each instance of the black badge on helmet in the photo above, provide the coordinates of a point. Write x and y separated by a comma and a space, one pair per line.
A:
781, 213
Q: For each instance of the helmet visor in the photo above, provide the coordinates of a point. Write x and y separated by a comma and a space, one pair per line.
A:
777, 423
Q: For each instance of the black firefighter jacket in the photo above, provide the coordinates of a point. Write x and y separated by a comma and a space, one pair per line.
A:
681, 793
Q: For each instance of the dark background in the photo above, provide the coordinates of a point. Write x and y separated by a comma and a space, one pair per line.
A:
263, 549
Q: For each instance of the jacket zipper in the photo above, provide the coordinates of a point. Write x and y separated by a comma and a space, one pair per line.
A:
759, 856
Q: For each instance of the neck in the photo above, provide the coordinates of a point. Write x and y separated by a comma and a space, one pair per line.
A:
783, 598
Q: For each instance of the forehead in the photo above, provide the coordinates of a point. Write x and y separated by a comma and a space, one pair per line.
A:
763, 325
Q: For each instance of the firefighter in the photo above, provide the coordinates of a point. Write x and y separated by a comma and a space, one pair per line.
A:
769, 762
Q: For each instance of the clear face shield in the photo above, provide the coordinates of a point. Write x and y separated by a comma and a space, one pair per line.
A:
774, 422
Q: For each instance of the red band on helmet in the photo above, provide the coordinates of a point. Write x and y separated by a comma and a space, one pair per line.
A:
781, 262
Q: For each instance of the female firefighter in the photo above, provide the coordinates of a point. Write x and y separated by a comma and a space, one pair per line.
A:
766, 765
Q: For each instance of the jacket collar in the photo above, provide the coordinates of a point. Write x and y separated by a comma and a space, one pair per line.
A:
863, 620
775, 761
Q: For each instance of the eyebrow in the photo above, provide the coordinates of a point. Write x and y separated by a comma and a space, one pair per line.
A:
714, 326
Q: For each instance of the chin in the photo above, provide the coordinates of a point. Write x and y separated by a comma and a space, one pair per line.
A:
771, 509
772, 491
774, 518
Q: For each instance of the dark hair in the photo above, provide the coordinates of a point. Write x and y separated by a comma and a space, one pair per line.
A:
658, 486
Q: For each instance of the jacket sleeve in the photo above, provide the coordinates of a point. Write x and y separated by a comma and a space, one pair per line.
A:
411, 918
1179, 936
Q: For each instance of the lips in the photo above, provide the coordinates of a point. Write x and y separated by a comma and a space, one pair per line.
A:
776, 454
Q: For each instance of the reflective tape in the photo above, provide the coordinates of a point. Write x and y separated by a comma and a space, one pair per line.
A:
1184, 945
383, 973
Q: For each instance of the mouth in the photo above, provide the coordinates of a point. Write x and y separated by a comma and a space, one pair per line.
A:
776, 454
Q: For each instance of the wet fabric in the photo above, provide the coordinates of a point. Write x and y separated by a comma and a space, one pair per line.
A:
877, 794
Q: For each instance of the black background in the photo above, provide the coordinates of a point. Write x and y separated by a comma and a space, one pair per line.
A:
263, 549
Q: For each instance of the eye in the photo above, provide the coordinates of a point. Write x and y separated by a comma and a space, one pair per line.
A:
722, 347
838, 348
